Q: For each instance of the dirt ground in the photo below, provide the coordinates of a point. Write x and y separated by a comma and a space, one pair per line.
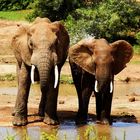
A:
124, 108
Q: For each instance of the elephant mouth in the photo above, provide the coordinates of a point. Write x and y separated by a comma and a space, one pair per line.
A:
56, 74
96, 87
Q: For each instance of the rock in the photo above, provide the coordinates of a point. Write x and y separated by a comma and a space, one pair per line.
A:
127, 79
132, 99
61, 102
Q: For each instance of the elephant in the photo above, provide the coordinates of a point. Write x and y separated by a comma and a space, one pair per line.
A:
94, 63
40, 49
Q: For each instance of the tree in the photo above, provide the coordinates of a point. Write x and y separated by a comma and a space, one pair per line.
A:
56, 9
14, 4
110, 19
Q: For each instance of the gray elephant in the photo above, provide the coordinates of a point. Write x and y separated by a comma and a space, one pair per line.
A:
40, 49
94, 62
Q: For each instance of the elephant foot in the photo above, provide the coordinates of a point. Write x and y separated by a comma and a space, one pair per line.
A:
41, 114
104, 122
20, 121
50, 121
81, 119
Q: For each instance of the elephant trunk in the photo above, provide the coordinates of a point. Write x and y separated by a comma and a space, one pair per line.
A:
44, 72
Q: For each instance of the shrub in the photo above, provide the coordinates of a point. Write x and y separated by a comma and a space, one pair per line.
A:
110, 19
15, 5
55, 9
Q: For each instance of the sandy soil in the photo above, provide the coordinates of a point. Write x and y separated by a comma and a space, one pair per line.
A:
122, 108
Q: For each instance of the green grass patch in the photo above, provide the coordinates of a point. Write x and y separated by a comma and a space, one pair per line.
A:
15, 15
135, 62
7, 77
66, 79
136, 49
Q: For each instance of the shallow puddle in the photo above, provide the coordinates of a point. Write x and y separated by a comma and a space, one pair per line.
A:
69, 131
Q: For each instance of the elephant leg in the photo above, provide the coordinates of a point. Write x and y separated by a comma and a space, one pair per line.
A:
103, 108
20, 117
84, 96
77, 77
17, 74
51, 103
41, 111
51, 107
98, 106
107, 108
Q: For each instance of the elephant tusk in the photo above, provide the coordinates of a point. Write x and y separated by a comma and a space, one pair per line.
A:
56, 76
32, 74
111, 87
96, 88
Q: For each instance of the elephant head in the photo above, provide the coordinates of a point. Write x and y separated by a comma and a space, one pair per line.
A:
102, 59
42, 45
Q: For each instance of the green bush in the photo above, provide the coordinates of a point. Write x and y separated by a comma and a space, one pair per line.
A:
137, 45
15, 5
110, 19
55, 9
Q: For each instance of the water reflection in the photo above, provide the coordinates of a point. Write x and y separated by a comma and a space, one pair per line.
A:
69, 131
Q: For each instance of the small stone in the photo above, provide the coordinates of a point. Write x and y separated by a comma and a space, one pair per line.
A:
61, 102
132, 99
127, 79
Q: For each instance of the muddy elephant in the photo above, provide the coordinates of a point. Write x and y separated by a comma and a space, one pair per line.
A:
40, 50
94, 62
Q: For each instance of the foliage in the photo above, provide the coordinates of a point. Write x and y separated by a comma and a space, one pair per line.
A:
138, 38
110, 19
55, 9
15, 5
137, 45
78, 23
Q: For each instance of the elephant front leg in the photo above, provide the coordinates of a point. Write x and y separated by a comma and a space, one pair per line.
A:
84, 91
20, 118
83, 106
103, 108
41, 111
51, 107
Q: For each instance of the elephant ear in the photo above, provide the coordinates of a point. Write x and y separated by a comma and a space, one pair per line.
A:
82, 55
62, 41
122, 54
20, 45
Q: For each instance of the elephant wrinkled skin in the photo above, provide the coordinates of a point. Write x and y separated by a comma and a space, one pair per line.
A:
94, 62
40, 50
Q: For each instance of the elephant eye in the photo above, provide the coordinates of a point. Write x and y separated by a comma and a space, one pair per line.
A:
31, 44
